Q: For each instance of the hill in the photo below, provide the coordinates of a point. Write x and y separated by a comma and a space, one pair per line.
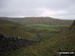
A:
3, 21
64, 41
34, 31
14, 29
40, 20
55, 37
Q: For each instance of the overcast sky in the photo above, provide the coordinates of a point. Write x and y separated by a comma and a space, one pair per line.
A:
64, 9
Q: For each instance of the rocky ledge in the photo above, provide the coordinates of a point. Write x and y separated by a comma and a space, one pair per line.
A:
8, 43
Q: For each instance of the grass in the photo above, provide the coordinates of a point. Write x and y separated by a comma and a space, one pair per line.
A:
44, 31
53, 39
35, 32
45, 27
51, 47
13, 30
31, 31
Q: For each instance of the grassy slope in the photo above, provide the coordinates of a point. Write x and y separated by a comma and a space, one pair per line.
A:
64, 41
4, 21
14, 29
48, 48
29, 31
44, 31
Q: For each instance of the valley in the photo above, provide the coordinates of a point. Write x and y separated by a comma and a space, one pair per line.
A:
53, 35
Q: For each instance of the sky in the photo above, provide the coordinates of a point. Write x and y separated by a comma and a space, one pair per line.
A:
62, 9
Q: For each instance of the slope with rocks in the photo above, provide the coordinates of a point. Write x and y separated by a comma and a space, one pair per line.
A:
10, 43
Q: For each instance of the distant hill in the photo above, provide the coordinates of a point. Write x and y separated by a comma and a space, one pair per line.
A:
3, 21
40, 20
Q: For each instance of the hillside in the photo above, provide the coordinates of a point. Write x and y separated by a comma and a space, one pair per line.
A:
40, 20
34, 31
14, 29
64, 41
53, 38
3, 21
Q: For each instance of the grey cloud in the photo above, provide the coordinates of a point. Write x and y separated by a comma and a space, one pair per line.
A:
60, 4
31, 7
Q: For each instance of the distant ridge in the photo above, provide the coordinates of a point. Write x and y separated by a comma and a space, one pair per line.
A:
4, 21
39, 20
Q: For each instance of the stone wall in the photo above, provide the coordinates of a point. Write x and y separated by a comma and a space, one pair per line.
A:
9, 43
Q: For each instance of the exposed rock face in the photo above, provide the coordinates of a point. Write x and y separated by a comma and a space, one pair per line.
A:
8, 43
73, 26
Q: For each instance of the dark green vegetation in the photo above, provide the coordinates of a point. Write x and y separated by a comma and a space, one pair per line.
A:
54, 38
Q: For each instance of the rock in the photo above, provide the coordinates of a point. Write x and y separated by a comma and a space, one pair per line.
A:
9, 43
72, 27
